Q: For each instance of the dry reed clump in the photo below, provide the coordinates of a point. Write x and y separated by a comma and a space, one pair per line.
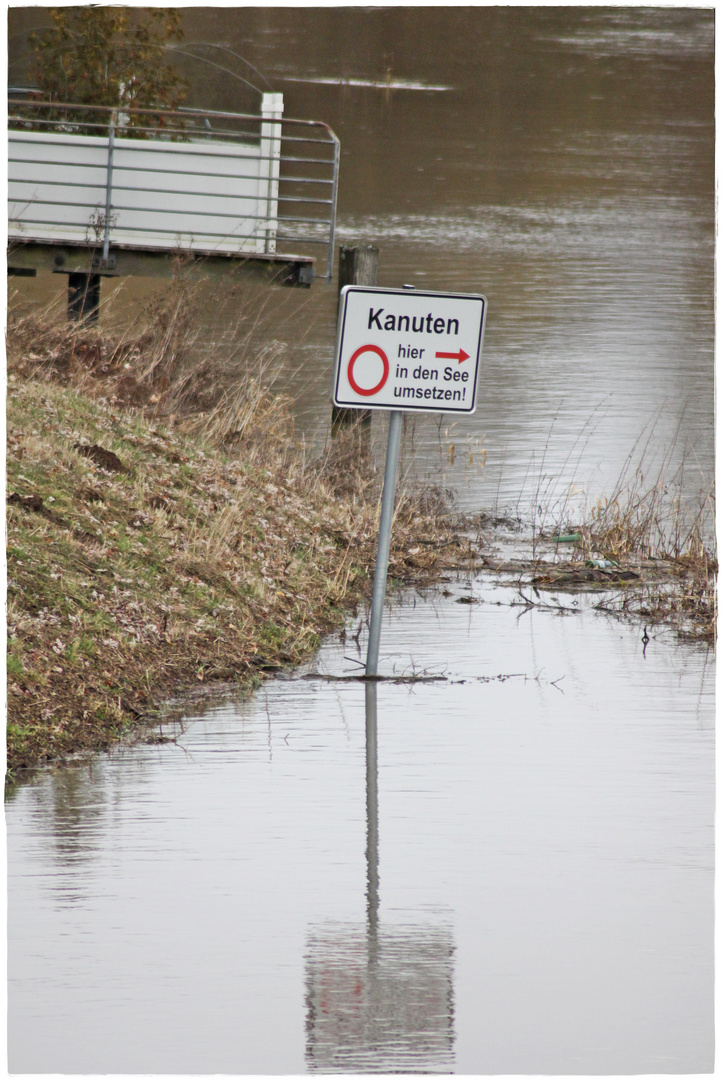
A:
136, 368
654, 527
653, 523
187, 353
648, 536
648, 513
346, 464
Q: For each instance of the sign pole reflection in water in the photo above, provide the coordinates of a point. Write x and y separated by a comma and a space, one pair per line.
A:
372, 844
372, 814
379, 998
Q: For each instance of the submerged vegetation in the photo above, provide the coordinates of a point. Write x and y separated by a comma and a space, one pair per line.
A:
648, 545
663, 540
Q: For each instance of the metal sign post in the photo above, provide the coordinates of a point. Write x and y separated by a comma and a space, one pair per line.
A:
384, 544
404, 350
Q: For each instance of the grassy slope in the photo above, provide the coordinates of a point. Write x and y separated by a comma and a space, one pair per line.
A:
186, 565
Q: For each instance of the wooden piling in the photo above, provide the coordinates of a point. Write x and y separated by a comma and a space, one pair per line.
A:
357, 265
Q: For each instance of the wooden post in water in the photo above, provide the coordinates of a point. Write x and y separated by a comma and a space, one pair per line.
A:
357, 265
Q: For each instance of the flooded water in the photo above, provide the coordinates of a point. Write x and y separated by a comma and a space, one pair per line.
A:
509, 872
510, 869
536, 155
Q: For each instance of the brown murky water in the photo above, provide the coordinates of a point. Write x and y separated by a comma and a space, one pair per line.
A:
520, 881
520, 878
565, 169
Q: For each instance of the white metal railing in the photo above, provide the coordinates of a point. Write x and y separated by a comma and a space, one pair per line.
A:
162, 180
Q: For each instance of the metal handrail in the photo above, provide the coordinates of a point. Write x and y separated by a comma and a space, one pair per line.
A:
138, 111
176, 128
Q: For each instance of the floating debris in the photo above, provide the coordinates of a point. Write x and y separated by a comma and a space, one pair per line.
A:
585, 575
376, 84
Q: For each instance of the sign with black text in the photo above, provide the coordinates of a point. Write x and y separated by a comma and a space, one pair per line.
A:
408, 349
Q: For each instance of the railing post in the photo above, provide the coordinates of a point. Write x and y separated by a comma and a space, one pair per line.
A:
334, 201
270, 167
108, 193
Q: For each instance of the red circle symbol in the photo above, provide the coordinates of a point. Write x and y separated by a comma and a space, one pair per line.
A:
382, 381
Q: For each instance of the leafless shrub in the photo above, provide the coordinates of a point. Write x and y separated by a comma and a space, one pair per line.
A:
653, 519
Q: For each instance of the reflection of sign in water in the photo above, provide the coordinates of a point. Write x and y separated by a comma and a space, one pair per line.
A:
380, 1002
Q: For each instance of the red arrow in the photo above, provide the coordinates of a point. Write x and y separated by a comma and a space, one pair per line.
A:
461, 356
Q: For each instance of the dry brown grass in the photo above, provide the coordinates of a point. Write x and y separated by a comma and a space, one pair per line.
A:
649, 523
653, 521
195, 352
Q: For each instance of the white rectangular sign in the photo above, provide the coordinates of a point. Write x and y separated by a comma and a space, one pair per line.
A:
408, 349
